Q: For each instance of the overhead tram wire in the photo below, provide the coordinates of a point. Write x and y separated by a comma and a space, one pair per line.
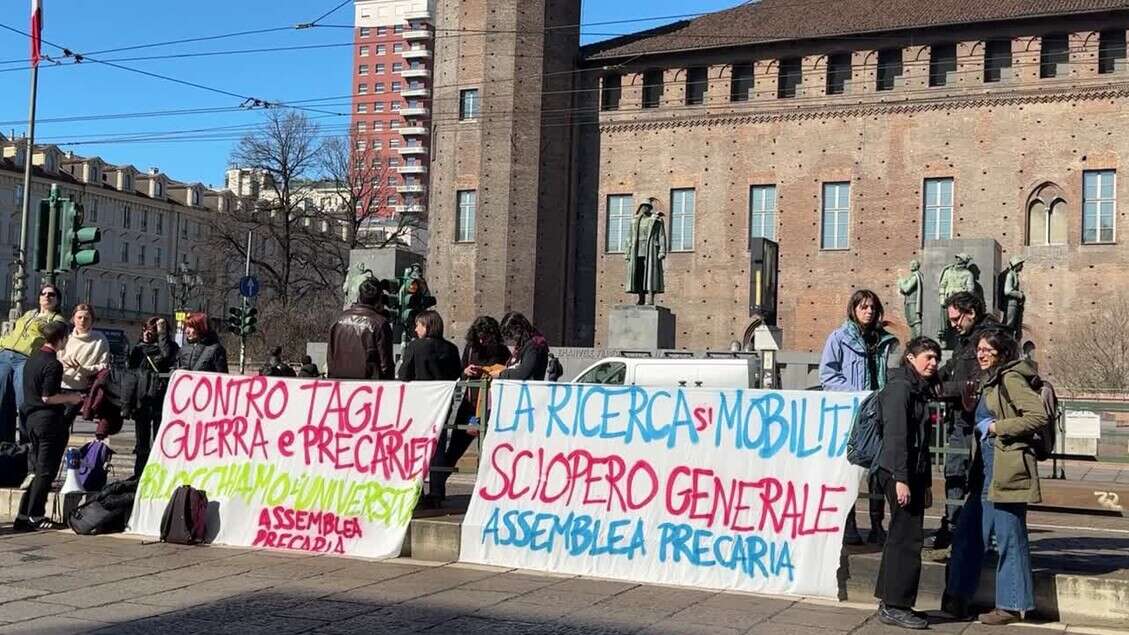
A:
254, 101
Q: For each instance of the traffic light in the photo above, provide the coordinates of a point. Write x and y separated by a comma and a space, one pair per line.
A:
243, 322
80, 241
42, 235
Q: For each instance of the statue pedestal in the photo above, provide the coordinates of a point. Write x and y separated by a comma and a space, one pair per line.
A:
646, 327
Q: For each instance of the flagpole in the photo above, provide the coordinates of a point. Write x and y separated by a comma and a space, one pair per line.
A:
25, 213
20, 276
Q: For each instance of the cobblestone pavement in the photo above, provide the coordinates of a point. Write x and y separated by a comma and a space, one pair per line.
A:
55, 583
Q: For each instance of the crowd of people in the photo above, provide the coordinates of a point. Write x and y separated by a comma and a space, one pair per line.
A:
47, 367
990, 462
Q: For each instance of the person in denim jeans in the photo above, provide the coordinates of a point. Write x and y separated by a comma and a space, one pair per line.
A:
1010, 412
24, 339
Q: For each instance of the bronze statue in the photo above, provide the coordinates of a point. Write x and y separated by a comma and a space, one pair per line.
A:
954, 278
353, 282
912, 288
1012, 298
646, 249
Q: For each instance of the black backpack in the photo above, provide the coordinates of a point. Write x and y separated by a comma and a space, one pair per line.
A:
13, 464
107, 512
864, 443
185, 521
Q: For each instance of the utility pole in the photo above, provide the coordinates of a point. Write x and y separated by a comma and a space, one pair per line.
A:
243, 333
20, 275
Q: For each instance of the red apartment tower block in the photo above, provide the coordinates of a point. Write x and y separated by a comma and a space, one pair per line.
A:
391, 123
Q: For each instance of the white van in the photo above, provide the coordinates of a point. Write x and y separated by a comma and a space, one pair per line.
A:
672, 372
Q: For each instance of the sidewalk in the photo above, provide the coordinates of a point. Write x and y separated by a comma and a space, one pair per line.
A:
59, 583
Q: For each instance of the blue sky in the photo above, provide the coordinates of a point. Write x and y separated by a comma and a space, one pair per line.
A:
316, 73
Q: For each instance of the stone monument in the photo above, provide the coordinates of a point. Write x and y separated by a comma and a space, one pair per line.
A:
939, 257
912, 288
1011, 298
643, 326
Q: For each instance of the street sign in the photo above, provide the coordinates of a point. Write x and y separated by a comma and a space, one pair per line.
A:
249, 286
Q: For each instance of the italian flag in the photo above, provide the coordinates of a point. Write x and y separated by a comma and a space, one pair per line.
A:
36, 31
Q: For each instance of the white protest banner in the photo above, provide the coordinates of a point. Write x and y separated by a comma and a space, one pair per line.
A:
312, 465
723, 489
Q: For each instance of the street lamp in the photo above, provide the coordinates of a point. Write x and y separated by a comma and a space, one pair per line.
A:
182, 283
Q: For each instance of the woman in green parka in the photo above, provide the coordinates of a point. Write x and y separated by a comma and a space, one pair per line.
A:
1004, 480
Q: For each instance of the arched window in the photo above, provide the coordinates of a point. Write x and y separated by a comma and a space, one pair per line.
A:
1046, 216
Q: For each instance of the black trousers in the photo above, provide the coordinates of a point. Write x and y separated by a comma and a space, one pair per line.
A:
146, 423
900, 571
452, 445
48, 436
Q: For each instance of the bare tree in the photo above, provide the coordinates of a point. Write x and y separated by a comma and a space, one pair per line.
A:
1092, 351
294, 249
359, 175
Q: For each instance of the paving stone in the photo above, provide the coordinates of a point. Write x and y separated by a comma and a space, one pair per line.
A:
162, 625
267, 625
54, 625
123, 590
838, 619
554, 597
119, 612
369, 624
598, 617
11, 592
669, 627
511, 582
384, 593
28, 571
749, 603
471, 625
87, 578
600, 587
702, 615
211, 591
21, 610
1013, 629
518, 610
461, 600
325, 610
658, 597
776, 628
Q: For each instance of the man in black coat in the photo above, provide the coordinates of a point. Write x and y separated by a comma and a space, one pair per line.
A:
960, 378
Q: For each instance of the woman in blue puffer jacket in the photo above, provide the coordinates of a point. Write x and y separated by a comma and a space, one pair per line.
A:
855, 359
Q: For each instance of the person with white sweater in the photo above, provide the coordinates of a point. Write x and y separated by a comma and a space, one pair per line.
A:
87, 352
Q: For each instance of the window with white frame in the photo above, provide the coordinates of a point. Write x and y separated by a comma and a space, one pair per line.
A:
762, 211
1099, 205
465, 222
362, 69
682, 219
836, 216
620, 214
938, 209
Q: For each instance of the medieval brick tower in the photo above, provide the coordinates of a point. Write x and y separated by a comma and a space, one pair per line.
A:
501, 212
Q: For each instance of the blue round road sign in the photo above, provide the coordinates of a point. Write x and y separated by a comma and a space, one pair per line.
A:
249, 286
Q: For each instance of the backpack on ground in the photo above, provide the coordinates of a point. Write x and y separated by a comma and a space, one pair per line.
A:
13, 464
864, 443
185, 521
94, 465
105, 513
1043, 440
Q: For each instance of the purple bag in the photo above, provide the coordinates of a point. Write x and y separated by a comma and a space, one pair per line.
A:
93, 466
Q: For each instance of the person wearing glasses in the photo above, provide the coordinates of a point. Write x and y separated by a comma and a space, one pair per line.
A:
1005, 479
960, 379
25, 338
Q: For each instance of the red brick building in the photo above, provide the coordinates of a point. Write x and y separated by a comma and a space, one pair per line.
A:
850, 132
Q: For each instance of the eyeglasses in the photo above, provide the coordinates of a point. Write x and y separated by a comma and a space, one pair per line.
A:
990, 352
48, 294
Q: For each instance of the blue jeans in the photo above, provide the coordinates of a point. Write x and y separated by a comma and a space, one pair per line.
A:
11, 394
1015, 585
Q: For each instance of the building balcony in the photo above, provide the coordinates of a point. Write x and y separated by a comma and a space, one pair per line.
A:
421, 73
416, 54
416, 188
417, 34
409, 209
423, 15
416, 92
412, 169
413, 131
414, 111
412, 150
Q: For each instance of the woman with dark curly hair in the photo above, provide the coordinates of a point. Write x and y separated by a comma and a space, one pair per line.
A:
482, 351
529, 351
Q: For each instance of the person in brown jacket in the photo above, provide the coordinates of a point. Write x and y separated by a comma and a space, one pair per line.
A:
360, 342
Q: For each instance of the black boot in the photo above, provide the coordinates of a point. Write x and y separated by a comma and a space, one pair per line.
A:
940, 540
